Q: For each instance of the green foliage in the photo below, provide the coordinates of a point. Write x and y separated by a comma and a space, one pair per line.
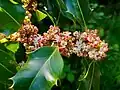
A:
7, 59
74, 10
12, 46
43, 68
7, 65
40, 15
12, 16
41, 71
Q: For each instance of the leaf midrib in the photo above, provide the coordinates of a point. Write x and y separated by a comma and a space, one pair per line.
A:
6, 53
43, 65
3, 65
6, 68
11, 17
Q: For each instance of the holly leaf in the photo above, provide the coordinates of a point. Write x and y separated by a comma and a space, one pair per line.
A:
41, 72
76, 10
11, 16
7, 63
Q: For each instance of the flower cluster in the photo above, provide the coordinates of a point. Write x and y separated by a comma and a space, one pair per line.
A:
63, 40
27, 19
25, 35
2, 36
30, 5
83, 44
88, 43
28, 33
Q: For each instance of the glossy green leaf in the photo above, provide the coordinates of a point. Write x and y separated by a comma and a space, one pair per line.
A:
7, 63
12, 46
64, 9
41, 71
40, 15
76, 10
11, 16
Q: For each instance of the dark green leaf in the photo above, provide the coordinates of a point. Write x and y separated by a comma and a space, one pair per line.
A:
7, 63
76, 10
96, 78
92, 80
11, 16
85, 72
